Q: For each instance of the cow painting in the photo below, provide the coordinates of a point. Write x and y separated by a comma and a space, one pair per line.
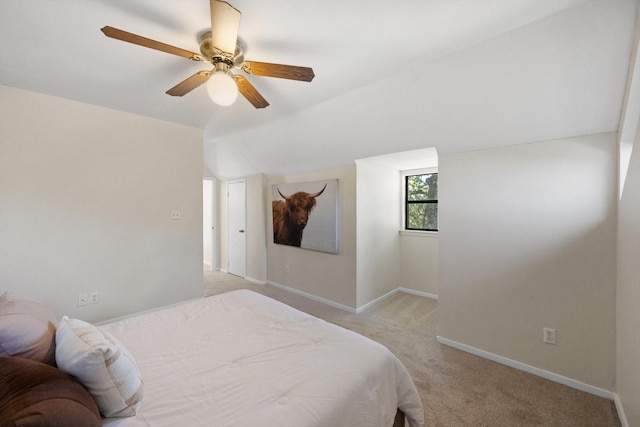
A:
291, 215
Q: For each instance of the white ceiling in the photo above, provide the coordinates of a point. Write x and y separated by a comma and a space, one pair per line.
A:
390, 75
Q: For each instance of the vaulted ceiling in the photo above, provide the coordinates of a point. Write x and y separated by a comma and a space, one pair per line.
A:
390, 75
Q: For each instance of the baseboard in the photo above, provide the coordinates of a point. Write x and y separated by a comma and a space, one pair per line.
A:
310, 296
393, 292
150, 310
419, 293
621, 414
255, 281
341, 306
530, 369
377, 300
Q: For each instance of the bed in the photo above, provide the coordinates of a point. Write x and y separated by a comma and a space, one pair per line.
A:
235, 359
243, 359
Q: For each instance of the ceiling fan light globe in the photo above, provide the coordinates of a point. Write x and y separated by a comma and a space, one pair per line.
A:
222, 89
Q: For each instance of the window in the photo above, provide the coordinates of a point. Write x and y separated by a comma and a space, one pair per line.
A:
421, 202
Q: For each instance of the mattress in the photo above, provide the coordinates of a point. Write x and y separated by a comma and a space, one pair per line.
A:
243, 359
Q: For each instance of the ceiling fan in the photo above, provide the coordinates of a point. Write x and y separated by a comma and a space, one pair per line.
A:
224, 50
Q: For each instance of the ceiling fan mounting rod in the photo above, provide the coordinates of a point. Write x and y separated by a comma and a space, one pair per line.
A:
209, 51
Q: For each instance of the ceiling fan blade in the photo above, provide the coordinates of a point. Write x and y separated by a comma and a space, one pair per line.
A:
117, 34
291, 72
248, 91
225, 22
189, 84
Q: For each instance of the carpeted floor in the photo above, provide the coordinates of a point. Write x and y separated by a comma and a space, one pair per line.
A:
457, 388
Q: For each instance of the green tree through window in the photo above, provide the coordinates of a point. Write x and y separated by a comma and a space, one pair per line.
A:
421, 203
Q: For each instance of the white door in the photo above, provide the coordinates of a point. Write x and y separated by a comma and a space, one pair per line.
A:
236, 229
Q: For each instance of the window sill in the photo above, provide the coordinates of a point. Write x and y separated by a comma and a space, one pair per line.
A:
431, 234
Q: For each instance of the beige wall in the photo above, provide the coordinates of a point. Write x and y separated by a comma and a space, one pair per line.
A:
208, 226
223, 228
378, 239
328, 276
255, 186
419, 263
528, 240
85, 200
369, 224
387, 258
628, 292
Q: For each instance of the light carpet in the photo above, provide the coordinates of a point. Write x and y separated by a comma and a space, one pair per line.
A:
456, 388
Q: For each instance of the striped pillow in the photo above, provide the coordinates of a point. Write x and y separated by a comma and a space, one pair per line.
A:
102, 364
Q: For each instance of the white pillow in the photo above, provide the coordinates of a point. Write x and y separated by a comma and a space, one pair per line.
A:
102, 364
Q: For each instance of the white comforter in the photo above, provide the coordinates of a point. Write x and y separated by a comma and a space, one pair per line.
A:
243, 359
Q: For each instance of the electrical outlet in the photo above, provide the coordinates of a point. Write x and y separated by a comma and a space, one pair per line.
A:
93, 298
549, 335
176, 215
83, 299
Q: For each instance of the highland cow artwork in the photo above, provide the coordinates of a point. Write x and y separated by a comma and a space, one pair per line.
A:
305, 215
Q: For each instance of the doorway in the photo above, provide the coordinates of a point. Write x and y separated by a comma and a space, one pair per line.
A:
236, 219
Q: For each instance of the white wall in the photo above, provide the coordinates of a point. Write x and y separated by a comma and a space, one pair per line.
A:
85, 200
628, 291
556, 77
328, 276
378, 239
528, 240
